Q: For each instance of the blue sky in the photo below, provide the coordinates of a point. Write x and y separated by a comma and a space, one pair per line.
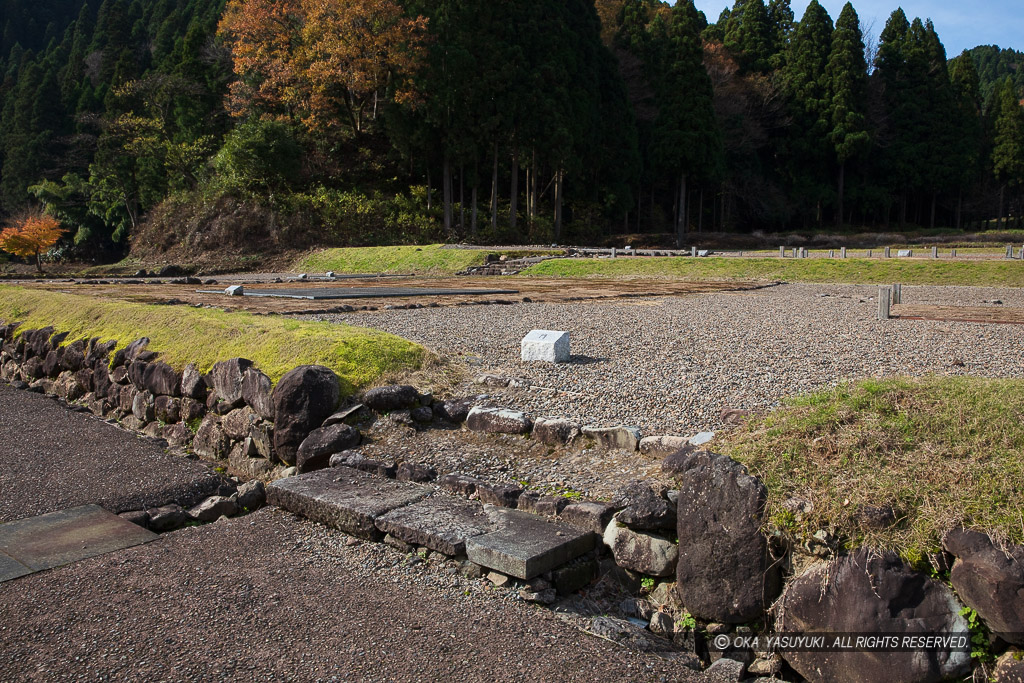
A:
960, 24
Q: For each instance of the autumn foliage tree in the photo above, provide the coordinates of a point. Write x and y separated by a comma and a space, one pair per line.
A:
31, 237
320, 62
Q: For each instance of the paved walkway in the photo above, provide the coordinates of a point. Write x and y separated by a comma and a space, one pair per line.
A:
52, 458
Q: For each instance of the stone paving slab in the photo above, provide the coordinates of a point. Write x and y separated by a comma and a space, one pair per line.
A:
67, 536
344, 498
441, 523
321, 293
526, 545
10, 568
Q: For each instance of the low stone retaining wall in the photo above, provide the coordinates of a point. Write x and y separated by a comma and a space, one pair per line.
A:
700, 556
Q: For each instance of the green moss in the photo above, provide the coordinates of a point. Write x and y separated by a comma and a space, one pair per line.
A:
426, 260
940, 450
851, 270
204, 336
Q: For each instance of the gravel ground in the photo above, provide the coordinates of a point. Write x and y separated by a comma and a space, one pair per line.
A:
52, 458
267, 597
671, 364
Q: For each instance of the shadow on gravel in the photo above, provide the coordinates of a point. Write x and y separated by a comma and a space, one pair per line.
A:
586, 360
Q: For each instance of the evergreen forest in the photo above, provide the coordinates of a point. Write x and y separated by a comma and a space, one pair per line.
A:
261, 124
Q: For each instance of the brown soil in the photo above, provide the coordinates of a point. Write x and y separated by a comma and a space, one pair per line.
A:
553, 290
964, 314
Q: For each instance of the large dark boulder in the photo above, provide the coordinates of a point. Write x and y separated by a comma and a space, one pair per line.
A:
256, 390
726, 572
137, 374
990, 579
99, 352
870, 592
392, 397
52, 365
101, 379
130, 352
226, 379
316, 449
73, 358
192, 383
643, 508
302, 399
38, 341
160, 379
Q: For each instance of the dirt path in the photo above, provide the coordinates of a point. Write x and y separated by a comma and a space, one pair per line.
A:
52, 458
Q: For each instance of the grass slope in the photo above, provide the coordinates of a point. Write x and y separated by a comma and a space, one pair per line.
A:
940, 450
204, 336
852, 271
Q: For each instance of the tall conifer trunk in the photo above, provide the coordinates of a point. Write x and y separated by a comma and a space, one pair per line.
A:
514, 190
494, 191
681, 222
462, 199
447, 181
841, 193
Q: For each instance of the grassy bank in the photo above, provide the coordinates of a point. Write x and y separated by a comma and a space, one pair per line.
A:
359, 356
847, 271
426, 260
940, 451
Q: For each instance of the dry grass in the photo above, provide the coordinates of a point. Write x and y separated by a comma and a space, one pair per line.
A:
940, 451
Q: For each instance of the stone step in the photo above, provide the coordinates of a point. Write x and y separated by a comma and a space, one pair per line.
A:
524, 545
441, 523
344, 498
520, 544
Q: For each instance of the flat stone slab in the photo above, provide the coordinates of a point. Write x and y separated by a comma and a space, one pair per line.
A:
344, 498
441, 523
10, 568
320, 293
67, 536
526, 545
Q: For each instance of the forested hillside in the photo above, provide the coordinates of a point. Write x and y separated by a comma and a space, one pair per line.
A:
262, 124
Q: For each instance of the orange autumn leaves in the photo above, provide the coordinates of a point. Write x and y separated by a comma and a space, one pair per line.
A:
31, 237
320, 62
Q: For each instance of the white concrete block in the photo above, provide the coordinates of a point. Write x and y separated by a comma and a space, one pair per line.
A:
546, 345
235, 290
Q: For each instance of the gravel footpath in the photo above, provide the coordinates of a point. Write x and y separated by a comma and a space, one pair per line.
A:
52, 458
267, 597
671, 364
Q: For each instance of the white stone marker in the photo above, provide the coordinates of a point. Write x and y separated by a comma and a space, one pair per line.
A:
935, 252
842, 252
782, 252
546, 345
897, 294
235, 290
905, 253
887, 252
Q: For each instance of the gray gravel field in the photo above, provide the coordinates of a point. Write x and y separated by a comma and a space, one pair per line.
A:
671, 364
